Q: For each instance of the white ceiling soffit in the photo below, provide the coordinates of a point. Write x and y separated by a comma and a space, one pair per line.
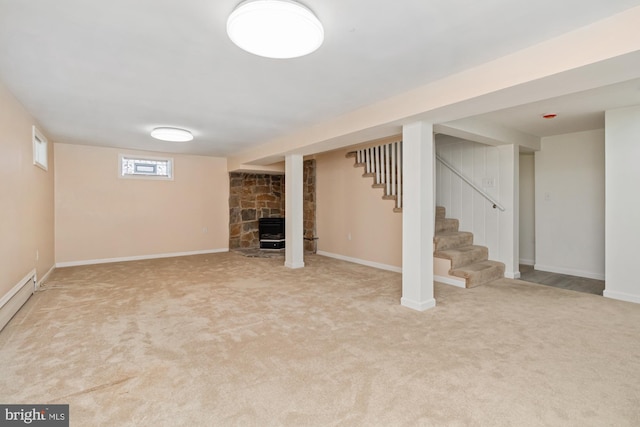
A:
107, 73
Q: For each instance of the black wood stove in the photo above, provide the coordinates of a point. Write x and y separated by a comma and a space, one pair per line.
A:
271, 233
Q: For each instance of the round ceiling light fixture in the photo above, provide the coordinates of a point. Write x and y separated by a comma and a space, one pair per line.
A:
279, 29
171, 134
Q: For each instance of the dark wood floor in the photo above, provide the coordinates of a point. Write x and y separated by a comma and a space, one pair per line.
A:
564, 281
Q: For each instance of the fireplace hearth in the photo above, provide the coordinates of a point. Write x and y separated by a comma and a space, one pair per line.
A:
271, 232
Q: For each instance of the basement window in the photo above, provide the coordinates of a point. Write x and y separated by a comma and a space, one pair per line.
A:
40, 149
146, 167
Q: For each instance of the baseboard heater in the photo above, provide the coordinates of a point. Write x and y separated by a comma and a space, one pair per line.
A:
16, 297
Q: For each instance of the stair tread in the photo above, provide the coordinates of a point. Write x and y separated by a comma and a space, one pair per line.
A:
446, 253
478, 266
464, 255
451, 239
446, 224
479, 273
443, 234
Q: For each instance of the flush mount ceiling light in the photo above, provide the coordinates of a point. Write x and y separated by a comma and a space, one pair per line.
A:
171, 134
278, 29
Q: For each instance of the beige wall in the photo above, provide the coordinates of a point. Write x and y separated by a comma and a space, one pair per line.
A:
26, 198
100, 216
347, 205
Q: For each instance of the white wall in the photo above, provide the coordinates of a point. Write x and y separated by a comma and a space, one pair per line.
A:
569, 196
490, 168
527, 209
622, 227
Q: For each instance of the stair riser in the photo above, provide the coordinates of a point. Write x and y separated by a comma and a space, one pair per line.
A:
486, 276
453, 241
447, 224
477, 254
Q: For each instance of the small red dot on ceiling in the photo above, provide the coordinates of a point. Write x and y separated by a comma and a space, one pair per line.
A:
549, 116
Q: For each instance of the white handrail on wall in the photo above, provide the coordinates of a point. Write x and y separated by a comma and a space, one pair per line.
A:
468, 181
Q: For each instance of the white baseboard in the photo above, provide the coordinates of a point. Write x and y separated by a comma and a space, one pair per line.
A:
45, 277
362, 261
569, 271
138, 258
11, 302
294, 265
512, 274
461, 283
524, 261
622, 296
419, 306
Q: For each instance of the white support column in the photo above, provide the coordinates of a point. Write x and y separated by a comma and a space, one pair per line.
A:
418, 215
622, 204
509, 220
294, 246
400, 176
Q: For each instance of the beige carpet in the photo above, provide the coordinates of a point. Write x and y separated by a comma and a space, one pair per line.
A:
228, 340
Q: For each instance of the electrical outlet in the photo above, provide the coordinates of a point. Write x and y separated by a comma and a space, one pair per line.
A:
349, 236
37, 255
488, 182
205, 230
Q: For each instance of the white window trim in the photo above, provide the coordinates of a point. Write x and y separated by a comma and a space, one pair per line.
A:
40, 144
121, 157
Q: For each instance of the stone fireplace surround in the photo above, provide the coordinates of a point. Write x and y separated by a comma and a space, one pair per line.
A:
255, 196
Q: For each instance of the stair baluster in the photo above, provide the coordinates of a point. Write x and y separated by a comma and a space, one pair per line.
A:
393, 170
400, 180
387, 168
383, 163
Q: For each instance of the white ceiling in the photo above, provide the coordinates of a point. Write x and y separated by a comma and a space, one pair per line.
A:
577, 112
106, 73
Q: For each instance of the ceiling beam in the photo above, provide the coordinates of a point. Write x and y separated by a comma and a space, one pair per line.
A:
605, 52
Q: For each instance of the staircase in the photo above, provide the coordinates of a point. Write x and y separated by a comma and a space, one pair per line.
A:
457, 261
467, 264
383, 163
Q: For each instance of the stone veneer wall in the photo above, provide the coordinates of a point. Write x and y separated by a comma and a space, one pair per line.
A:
255, 196
309, 190
252, 196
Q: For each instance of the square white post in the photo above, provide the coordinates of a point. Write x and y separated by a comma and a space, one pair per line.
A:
622, 204
509, 222
418, 215
294, 206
